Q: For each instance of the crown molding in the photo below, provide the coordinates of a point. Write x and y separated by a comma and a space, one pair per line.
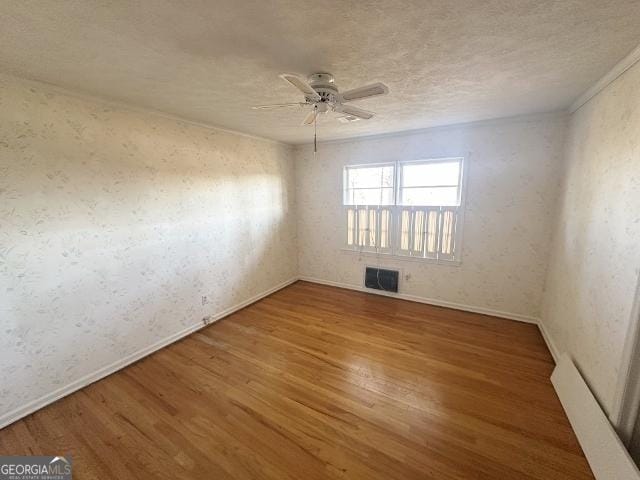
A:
622, 66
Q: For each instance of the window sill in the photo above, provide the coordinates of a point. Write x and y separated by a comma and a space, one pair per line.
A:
401, 258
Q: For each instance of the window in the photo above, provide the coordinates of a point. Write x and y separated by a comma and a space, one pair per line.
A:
370, 190
430, 183
405, 208
369, 185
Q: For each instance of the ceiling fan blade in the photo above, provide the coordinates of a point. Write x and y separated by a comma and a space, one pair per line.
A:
364, 92
278, 105
302, 85
353, 111
310, 118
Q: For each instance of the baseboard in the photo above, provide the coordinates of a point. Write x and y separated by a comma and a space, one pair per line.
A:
607, 457
429, 301
49, 398
548, 339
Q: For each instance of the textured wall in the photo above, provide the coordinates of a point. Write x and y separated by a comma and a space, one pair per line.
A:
512, 169
114, 224
596, 254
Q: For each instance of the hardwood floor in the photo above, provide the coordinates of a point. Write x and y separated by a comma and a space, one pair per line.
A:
317, 382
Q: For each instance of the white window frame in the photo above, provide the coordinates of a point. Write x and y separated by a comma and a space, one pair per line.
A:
369, 165
394, 250
398, 176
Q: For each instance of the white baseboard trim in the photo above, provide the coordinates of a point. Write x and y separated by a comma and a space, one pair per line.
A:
429, 301
604, 450
37, 404
548, 339
457, 306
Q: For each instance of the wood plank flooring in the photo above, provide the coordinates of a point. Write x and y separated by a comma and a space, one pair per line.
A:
317, 382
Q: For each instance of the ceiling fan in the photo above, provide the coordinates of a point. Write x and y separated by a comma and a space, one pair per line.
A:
321, 95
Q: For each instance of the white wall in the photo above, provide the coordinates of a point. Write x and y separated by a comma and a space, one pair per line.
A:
115, 223
513, 168
596, 249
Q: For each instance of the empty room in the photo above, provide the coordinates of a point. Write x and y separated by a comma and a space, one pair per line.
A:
320, 240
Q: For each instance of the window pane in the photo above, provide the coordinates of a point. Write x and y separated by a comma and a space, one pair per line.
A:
430, 174
370, 177
437, 196
376, 196
369, 185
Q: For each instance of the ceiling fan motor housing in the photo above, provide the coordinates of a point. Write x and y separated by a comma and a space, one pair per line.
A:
323, 83
320, 78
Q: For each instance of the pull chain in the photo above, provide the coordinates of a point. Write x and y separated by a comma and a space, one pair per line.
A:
315, 131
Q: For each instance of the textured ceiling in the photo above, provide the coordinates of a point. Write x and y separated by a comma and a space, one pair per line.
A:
444, 61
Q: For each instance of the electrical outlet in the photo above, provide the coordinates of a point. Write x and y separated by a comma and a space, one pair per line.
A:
204, 300
206, 320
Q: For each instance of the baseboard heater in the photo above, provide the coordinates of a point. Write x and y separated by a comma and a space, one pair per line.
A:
607, 456
381, 279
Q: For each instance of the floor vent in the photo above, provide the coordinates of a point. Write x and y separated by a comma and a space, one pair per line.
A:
381, 279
